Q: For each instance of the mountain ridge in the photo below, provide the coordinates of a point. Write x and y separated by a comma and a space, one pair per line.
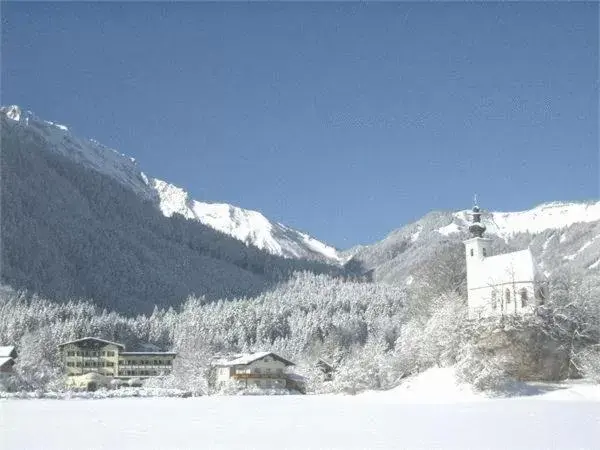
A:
561, 235
248, 226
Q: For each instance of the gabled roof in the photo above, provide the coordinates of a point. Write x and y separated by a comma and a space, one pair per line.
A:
93, 339
323, 363
506, 268
8, 351
244, 360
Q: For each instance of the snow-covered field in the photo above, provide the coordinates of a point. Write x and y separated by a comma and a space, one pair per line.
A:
561, 417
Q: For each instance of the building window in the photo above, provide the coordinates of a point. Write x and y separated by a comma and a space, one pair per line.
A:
78, 353
70, 364
471, 252
494, 300
507, 295
70, 353
110, 353
523, 298
78, 364
484, 251
110, 364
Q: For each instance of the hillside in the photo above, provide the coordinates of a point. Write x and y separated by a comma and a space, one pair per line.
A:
562, 236
248, 226
70, 230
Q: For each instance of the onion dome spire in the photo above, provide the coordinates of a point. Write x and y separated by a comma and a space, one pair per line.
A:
476, 228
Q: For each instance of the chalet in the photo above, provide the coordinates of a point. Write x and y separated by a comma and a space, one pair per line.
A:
263, 370
106, 358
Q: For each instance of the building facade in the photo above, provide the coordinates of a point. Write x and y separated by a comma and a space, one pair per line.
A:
110, 359
499, 285
262, 370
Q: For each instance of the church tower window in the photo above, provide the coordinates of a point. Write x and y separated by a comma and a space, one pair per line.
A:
507, 295
471, 252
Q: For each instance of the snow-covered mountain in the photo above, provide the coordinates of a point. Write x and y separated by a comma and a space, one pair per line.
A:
245, 225
547, 216
250, 227
561, 235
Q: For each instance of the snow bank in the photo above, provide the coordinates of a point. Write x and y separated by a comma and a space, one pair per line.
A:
435, 385
99, 394
440, 385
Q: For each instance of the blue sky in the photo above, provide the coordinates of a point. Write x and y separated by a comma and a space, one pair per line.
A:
343, 120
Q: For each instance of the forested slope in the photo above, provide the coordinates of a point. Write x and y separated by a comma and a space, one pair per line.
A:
69, 231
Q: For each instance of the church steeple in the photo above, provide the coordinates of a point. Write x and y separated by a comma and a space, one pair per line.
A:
476, 228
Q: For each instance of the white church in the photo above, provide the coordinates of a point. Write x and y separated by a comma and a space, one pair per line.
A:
502, 284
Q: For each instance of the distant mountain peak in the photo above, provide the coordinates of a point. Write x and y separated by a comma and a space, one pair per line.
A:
248, 226
13, 112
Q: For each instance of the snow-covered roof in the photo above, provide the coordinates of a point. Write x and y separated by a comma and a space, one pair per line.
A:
6, 360
507, 268
249, 358
7, 350
103, 341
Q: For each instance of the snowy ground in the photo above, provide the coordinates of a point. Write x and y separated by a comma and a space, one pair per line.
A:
562, 417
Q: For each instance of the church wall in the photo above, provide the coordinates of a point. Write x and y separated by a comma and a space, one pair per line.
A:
480, 300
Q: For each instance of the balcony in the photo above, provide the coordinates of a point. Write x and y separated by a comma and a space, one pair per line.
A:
243, 376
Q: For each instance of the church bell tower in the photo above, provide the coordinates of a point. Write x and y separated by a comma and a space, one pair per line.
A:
477, 247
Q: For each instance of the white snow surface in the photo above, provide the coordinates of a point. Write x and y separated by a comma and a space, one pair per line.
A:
436, 385
581, 249
449, 229
250, 227
427, 411
555, 216
6, 350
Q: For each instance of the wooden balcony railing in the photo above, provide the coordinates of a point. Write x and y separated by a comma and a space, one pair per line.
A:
242, 376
